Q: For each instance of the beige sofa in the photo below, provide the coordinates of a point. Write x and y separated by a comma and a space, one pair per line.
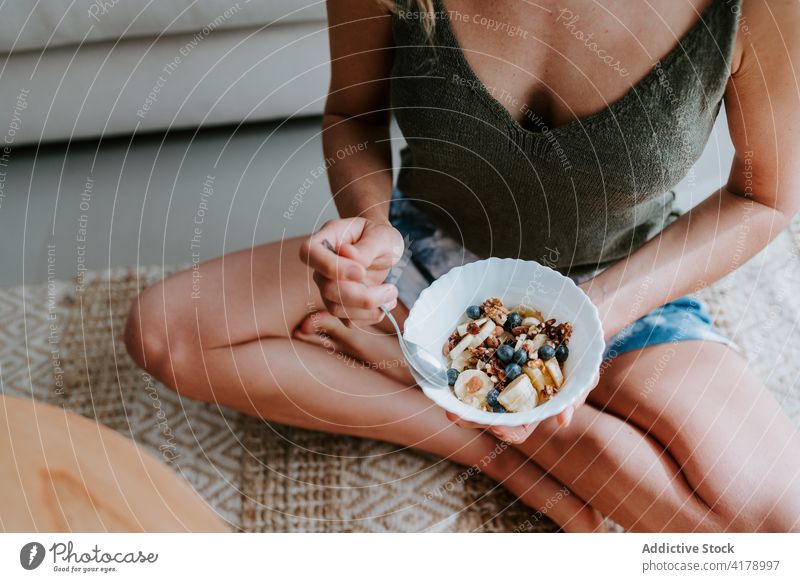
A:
89, 68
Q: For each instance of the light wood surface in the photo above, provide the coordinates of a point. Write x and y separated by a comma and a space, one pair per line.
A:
65, 473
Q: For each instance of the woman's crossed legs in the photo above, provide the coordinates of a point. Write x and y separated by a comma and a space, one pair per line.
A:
692, 452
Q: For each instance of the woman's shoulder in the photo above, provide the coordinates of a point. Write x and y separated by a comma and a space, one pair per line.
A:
766, 30
364, 10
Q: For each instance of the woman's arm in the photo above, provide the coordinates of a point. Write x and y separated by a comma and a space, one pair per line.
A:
356, 122
762, 102
355, 138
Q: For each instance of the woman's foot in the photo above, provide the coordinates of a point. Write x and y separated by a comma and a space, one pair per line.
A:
368, 347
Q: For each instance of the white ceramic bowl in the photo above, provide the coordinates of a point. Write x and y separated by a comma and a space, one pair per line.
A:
441, 306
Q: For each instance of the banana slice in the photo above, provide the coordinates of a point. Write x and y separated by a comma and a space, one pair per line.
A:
486, 331
537, 377
472, 386
519, 395
555, 371
525, 310
538, 341
460, 362
462, 345
529, 321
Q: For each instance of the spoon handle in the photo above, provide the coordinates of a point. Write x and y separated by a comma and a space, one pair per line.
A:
393, 321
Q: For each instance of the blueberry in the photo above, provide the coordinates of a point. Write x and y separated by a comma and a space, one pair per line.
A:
513, 320
505, 353
474, 311
452, 374
513, 370
491, 397
546, 352
562, 353
498, 408
520, 357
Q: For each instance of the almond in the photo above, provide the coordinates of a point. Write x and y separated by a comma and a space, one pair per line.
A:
474, 384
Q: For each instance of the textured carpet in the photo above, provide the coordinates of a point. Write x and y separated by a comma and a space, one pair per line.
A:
62, 344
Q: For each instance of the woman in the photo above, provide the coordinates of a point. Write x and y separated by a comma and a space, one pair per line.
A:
541, 131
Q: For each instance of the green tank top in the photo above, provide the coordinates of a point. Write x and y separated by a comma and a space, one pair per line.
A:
578, 196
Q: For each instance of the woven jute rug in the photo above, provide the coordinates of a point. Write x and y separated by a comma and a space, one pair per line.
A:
62, 343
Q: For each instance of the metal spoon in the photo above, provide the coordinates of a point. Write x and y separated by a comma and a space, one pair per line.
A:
424, 363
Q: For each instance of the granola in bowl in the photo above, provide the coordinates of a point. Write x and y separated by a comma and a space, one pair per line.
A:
506, 360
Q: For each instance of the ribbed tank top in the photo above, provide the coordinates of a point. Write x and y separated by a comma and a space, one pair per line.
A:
578, 196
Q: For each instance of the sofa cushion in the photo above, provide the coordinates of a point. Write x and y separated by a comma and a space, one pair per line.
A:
151, 84
38, 25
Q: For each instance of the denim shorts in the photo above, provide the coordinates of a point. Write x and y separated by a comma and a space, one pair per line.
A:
430, 253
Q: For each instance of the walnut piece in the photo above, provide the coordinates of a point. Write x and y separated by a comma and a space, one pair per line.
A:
483, 353
493, 309
547, 392
453, 340
558, 333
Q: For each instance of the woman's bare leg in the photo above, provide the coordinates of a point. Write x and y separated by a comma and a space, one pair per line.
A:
225, 337
679, 437
587, 455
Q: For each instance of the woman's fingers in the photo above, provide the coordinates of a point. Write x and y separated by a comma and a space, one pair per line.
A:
316, 255
355, 295
509, 434
379, 247
565, 416
344, 254
355, 302
320, 251
353, 317
461, 422
513, 434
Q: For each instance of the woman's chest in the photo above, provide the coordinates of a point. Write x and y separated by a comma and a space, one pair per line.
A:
551, 62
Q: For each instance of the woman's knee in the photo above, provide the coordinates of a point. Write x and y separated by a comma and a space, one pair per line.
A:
769, 510
158, 339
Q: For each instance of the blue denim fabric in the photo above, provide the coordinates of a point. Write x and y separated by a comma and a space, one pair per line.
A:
431, 253
684, 319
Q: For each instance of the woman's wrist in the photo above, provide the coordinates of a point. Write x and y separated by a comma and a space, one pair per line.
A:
370, 206
376, 215
604, 301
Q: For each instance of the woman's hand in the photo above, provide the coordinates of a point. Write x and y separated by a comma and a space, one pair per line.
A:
519, 434
365, 251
